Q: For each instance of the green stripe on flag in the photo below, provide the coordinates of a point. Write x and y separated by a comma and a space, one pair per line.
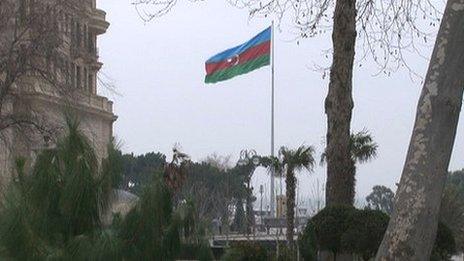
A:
238, 69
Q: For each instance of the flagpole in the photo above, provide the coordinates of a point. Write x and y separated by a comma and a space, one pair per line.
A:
273, 199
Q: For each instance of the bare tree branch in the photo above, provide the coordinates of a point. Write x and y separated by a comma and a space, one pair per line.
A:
391, 31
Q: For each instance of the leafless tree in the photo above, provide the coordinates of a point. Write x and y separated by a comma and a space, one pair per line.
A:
218, 161
413, 225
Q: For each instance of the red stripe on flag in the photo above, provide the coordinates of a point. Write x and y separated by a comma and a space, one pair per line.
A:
247, 55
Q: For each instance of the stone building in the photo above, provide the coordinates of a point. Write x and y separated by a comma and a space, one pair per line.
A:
73, 87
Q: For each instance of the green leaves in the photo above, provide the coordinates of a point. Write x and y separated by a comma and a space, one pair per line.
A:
55, 211
299, 159
381, 198
344, 229
363, 147
59, 202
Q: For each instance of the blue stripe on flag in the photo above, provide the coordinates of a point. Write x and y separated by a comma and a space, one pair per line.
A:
262, 37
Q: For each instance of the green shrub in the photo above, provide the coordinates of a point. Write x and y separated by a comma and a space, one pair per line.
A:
285, 253
53, 210
342, 229
329, 226
204, 252
365, 232
200, 251
151, 227
445, 245
246, 251
307, 243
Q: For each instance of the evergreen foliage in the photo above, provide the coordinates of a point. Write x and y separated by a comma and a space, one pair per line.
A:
246, 251
346, 230
284, 253
240, 223
365, 232
445, 245
138, 170
452, 207
329, 226
151, 230
381, 198
211, 188
307, 243
155, 230
56, 209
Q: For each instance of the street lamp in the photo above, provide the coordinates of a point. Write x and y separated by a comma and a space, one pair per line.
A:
248, 155
261, 191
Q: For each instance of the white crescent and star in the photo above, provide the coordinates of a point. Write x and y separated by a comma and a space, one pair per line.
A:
234, 59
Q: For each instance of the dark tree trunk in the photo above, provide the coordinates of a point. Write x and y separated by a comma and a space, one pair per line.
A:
250, 215
290, 192
240, 218
413, 225
339, 106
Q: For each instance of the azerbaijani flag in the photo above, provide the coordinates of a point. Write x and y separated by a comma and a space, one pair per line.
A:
241, 59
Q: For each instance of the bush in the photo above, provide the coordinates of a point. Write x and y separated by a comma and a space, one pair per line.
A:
329, 226
343, 229
307, 243
199, 251
285, 253
365, 232
445, 245
53, 210
246, 251
151, 227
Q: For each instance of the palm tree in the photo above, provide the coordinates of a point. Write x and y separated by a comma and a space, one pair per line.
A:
293, 161
362, 146
363, 149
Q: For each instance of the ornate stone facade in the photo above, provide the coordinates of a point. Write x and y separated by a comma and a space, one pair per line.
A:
80, 60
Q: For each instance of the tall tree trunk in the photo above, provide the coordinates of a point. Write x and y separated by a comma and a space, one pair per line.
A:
290, 192
240, 218
250, 215
412, 229
339, 105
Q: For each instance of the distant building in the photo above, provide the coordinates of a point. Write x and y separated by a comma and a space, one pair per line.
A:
76, 68
281, 210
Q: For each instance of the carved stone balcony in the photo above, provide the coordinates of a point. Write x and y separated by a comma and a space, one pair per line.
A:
98, 21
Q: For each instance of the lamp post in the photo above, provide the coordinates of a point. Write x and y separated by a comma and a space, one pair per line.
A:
261, 191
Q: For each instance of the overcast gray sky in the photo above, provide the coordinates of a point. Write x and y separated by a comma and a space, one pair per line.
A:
158, 68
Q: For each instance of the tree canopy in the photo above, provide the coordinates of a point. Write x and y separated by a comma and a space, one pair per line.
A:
381, 198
